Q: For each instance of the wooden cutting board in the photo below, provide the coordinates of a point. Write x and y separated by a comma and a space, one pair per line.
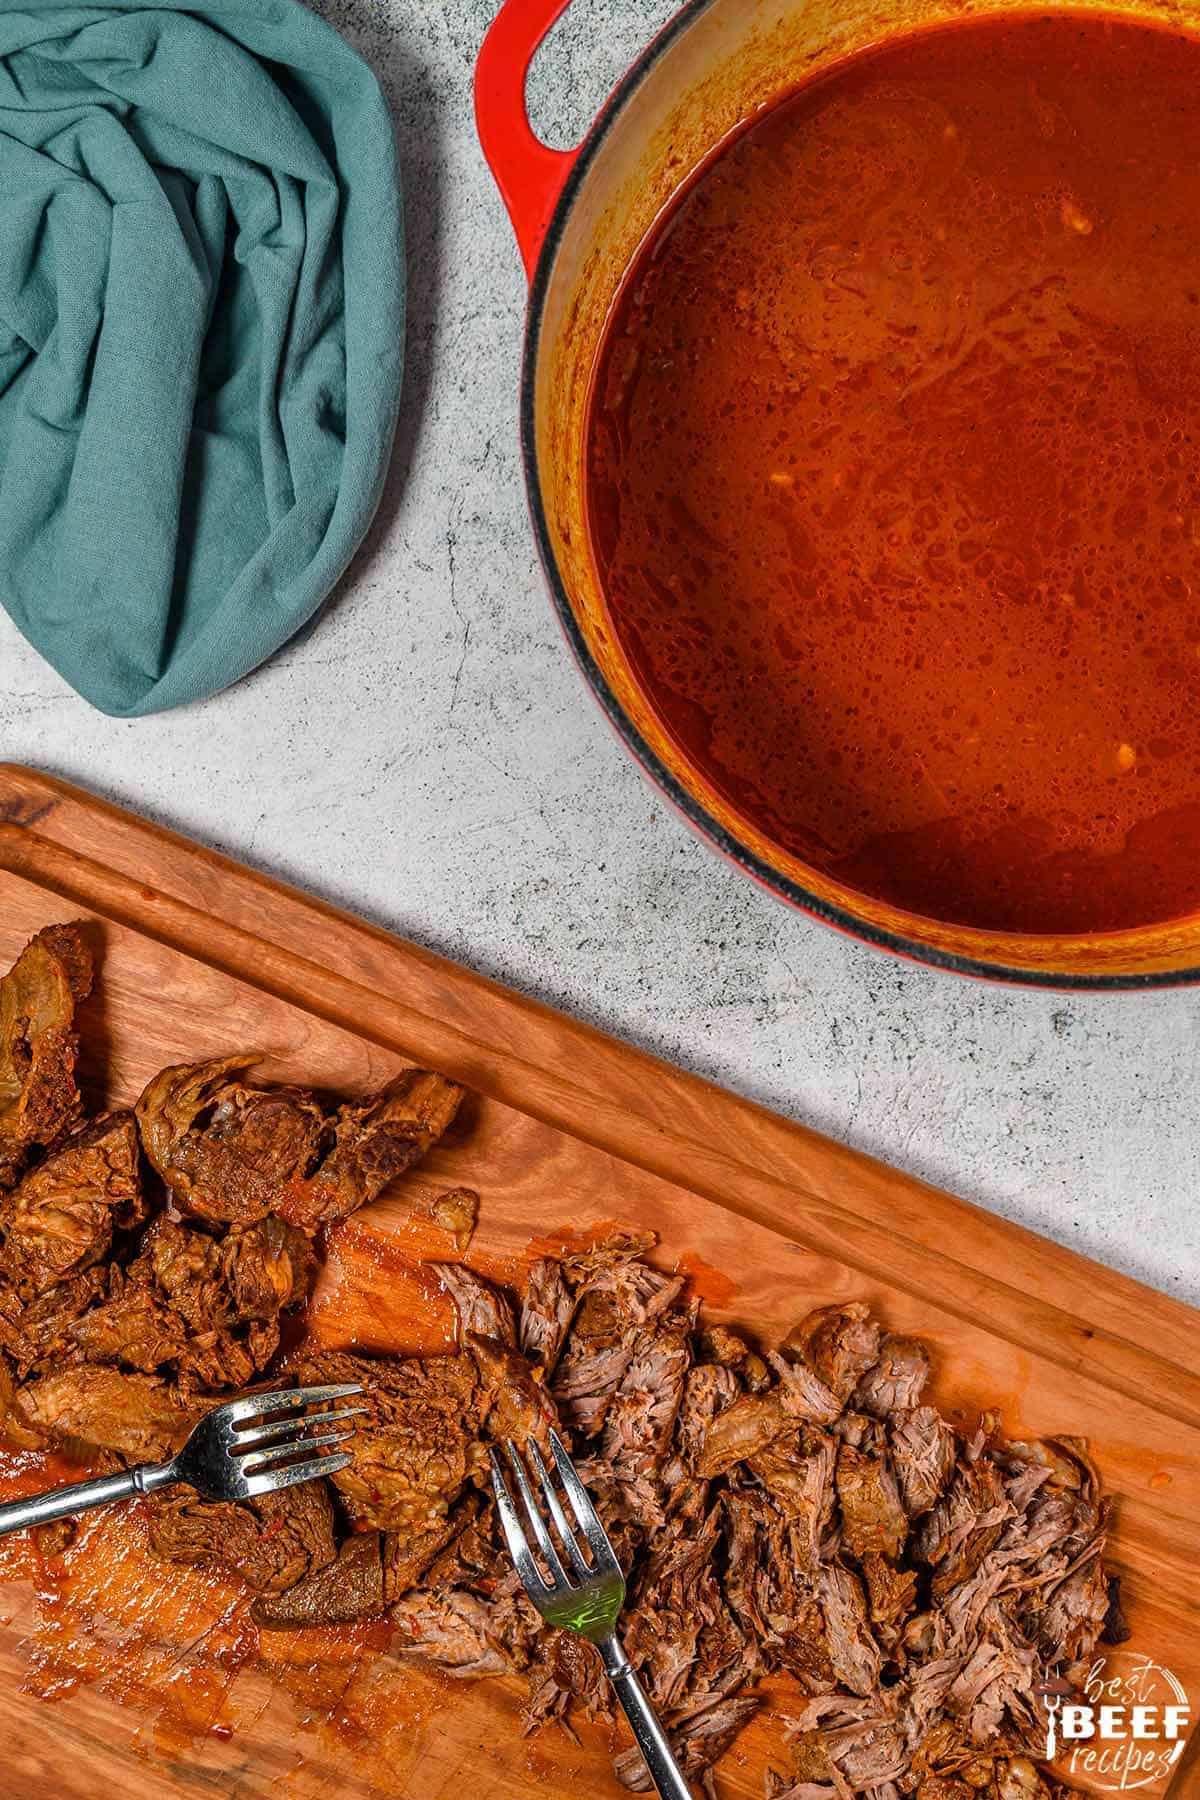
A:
128, 1676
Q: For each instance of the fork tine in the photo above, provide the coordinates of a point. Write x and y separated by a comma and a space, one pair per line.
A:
566, 1535
290, 1426
514, 1537
273, 1479
545, 1542
290, 1400
603, 1554
278, 1453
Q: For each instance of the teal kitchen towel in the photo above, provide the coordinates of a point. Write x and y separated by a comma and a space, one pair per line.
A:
201, 333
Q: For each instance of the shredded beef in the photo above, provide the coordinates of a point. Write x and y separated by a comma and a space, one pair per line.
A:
799, 1512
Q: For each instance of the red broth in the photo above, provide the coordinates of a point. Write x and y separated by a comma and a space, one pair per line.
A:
894, 472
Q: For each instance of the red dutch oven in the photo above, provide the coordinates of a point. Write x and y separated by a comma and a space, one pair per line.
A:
580, 217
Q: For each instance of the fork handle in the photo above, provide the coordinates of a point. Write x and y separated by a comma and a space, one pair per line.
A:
81, 1496
652, 1740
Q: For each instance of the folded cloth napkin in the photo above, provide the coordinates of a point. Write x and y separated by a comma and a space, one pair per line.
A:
201, 333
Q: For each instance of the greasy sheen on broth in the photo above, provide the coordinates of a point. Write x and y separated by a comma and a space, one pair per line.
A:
894, 472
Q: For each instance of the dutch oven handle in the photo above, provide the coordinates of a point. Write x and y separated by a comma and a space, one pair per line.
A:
528, 173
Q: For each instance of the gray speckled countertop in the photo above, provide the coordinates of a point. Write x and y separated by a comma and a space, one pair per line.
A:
429, 756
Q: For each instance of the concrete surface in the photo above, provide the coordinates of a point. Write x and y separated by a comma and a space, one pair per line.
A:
429, 756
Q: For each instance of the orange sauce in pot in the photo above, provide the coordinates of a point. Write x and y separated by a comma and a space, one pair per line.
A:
894, 472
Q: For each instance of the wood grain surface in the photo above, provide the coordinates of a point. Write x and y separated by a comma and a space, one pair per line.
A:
116, 1672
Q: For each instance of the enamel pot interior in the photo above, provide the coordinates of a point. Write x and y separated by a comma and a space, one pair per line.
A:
714, 66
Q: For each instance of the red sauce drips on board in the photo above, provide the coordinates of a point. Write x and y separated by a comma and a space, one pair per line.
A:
894, 472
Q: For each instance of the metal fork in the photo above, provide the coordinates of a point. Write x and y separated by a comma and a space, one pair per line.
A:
225, 1458
590, 1599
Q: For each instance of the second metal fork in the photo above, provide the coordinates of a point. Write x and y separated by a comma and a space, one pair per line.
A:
227, 1456
589, 1600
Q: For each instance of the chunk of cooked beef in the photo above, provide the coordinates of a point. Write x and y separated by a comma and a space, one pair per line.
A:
797, 1470
859, 1740
60, 1219
272, 1542
135, 1416
38, 1334
722, 1345
768, 1586
707, 1390
923, 1455
1069, 1469
513, 1399
839, 1344
620, 1299
674, 1598
729, 1348
891, 1598
853, 1651
642, 1293
1075, 1612
896, 1380
811, 1761
595, 1357
481, 1308
514, 1623
964, 1525
995, 1691
450, 1628
683, 1637
68, 945
204, 1309
374, 1142
266, 1268
129, 1327
227, 1151
335, 1593
743, 1430
39, 1100
1116, 1625
475, 1555
456, 1211
640, 1418
180, 1267
231, 1153
583, 1267
55, 1537
873, 1520
749, 1517
802, 1393
13, 1429
417, 1441
547, 1308
409, 1553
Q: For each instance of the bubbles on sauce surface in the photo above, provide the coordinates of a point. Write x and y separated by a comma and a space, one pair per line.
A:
894, 473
